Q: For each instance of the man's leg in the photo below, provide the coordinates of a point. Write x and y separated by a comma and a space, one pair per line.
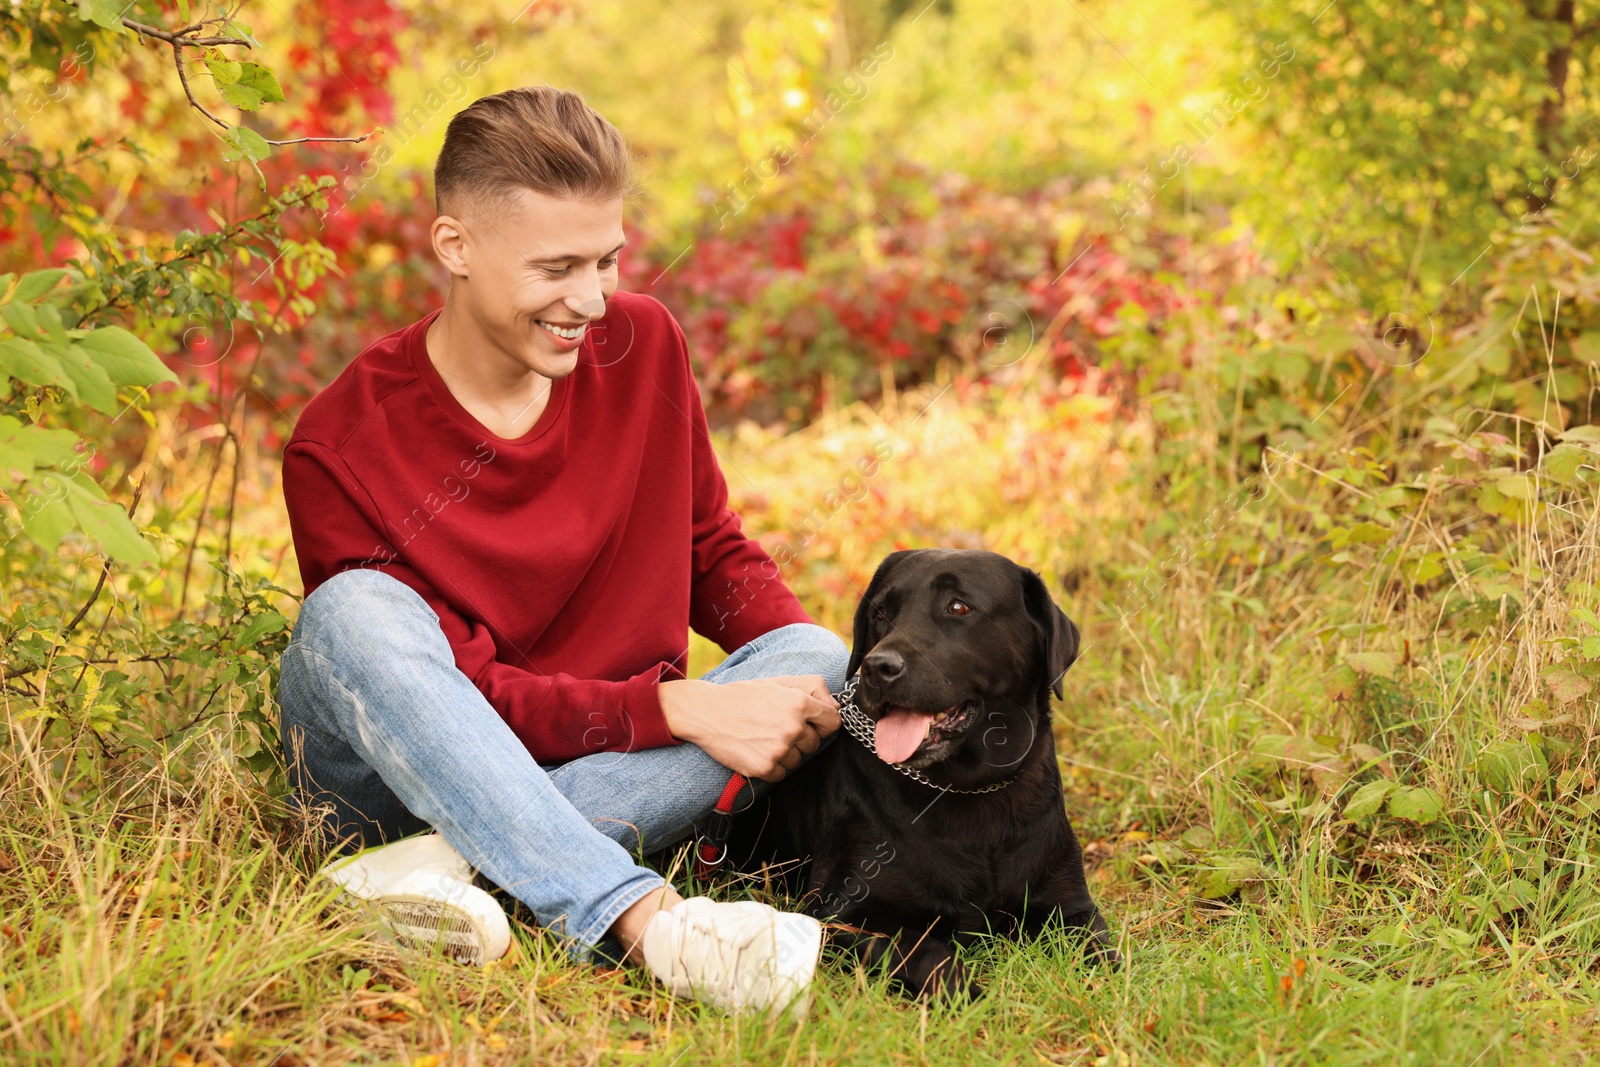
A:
380, 723
652, 798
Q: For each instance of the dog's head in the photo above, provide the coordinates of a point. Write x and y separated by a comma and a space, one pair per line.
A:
958, 650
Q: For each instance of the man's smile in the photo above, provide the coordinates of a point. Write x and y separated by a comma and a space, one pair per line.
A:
567, 331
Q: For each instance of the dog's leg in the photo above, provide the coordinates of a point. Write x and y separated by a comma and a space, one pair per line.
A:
1090, 925
920, 964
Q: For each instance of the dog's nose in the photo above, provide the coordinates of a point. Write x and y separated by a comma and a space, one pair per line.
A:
883, 667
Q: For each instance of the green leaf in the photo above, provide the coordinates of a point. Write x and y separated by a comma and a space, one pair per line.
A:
1512, 766
1336, 340
104, 13
1230, 873
1341, 682
224, 71
126, 359
29, 363
1561, 463
1518, 487
37, 283
108, 524
94, 388
1271, 744
24, 448
46, 519
1419, 804
239, 29
254, 86
1383, 664
1495, 357
49, 317
245, 144
1393, 936
1586, 349
1516, 894
269, 622
1566, 686
1586, 434
1367, 800
21, 318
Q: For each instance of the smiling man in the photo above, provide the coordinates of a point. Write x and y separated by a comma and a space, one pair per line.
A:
507, 516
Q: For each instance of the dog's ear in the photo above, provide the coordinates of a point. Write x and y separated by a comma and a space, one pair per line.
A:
1058, 636
865, 624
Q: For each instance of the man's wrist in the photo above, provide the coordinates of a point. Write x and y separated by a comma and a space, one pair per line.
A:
677, 705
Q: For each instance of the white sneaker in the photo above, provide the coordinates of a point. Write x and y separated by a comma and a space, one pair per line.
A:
739, 955
423, 891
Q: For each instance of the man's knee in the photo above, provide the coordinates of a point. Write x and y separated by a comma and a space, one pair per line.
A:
366, 607
819, 646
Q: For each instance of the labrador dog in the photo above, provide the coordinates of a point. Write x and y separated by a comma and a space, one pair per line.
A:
937, 813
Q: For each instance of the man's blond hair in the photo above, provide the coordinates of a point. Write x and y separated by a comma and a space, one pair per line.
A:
536, 137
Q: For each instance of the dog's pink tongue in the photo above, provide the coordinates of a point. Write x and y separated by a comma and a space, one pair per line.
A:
899, 734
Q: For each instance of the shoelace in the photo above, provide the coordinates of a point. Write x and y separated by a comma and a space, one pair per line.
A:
722, 969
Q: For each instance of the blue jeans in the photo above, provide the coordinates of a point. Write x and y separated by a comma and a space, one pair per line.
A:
386, 737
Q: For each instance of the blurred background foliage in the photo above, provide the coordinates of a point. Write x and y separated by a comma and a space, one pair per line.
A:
1266, 330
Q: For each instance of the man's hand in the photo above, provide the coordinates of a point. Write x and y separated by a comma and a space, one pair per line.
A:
762, 728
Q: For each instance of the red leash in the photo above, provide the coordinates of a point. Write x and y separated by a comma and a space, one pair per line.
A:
713, 848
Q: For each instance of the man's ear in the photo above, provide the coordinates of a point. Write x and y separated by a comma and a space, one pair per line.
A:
450, 244
866, 629
1058, 636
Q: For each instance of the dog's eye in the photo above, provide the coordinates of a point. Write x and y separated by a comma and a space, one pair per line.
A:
959, 607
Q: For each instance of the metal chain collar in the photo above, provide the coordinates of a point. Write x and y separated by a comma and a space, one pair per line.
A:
864, 730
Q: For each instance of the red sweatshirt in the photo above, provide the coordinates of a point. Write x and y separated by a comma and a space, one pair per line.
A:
565, 566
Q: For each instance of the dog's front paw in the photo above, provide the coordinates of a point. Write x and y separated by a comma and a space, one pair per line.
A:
948, 980
1103, 952
1101, 948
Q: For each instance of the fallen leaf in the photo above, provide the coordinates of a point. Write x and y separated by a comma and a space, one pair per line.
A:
1419, 804
1566, 686
1366, 801
1383, 664
1512, 766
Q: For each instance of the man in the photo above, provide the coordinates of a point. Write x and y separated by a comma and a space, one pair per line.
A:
507, 516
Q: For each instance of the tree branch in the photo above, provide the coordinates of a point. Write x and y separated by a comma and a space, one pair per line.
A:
186, 37
183, 37
183, 79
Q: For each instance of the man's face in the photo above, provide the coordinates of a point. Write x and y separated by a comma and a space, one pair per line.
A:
536, 274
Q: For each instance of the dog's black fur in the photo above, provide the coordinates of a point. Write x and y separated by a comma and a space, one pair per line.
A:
905, 870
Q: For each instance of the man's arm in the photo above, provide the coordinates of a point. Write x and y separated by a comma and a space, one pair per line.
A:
336, 526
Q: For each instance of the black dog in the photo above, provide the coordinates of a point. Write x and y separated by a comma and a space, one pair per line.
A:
939, 813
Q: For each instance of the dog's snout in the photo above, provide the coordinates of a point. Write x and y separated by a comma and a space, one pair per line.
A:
883, 666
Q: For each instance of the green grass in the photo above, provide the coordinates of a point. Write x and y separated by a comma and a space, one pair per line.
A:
160, 911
